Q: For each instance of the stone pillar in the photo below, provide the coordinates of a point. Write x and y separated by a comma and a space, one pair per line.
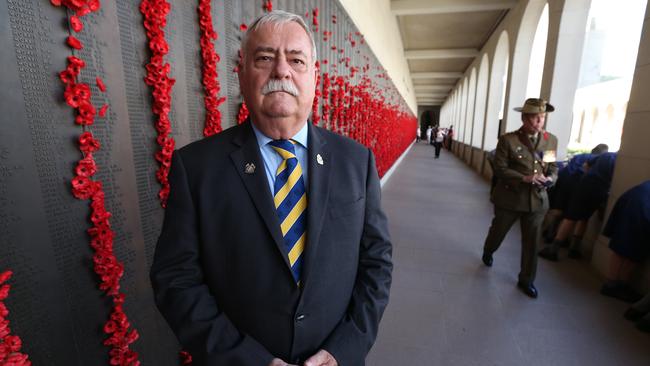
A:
566, 36
633, 161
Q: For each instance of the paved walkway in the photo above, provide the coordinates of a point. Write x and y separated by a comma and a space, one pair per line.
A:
446, 308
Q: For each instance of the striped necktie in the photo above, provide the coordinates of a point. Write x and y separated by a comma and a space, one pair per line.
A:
290, 200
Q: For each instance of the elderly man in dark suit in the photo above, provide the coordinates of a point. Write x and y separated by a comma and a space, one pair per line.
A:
524, 165
274, 248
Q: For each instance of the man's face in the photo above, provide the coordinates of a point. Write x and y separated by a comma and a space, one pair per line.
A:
278, 54
533, 122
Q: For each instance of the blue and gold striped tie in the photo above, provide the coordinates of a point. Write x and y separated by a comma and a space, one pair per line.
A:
290, 200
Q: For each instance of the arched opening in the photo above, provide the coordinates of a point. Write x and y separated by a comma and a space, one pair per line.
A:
521, 60
481, 102
496, 95
606, 71
463, 111
471, 100
537, 55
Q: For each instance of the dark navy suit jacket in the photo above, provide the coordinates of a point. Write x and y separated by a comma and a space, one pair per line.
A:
221, 276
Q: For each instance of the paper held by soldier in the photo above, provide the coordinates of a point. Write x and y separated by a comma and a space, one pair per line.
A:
549, 156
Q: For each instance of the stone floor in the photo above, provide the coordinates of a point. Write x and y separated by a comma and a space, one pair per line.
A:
447, 308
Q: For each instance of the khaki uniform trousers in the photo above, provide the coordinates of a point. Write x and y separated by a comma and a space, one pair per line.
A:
531, 224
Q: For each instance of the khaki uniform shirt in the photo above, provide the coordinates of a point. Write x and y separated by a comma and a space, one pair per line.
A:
514, 160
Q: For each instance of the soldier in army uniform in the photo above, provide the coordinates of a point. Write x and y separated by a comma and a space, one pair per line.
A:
525, 166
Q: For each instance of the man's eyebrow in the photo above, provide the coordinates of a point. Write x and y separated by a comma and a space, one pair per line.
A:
274, 50
296, 52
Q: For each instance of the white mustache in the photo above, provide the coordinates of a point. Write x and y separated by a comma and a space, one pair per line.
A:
283, 85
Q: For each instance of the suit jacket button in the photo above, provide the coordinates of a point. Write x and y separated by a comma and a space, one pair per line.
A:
300, 317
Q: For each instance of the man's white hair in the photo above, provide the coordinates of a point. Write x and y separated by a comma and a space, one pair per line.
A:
278, 17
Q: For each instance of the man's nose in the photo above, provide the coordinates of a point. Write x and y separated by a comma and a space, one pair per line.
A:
281, 69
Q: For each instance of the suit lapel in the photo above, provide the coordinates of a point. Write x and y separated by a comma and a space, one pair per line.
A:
256, 183
318, 195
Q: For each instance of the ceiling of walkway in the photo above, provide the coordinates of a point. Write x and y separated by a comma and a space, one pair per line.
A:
441, 39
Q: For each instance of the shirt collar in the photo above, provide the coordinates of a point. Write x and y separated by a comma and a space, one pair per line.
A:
300, 137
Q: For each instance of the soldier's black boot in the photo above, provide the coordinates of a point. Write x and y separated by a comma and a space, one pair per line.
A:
487, 259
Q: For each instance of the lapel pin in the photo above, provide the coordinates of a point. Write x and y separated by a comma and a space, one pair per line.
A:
250, 168
319, 159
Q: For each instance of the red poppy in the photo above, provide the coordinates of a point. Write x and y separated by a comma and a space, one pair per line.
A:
5, 276
100, 84
76, 24
545, 135
110, 327
87, 143
77, 62
74, 43
13, 343
4, 291
159, 45
102, 110
186, 358
86, 167
82, 187
76, 94
4, 328
86, 114
243, 27
67, 76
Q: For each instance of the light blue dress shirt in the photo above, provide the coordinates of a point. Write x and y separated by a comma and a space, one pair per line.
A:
272, 159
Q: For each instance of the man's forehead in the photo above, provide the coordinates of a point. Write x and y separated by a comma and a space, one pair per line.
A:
274, 33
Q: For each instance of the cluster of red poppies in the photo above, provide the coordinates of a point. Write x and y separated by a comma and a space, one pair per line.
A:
155, 19
105, 264
243, 113
361, 110
10, 345
211, 86
80, 7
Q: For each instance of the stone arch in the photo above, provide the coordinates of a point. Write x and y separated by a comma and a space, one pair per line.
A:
481, 102
521, 61
471, 101
463, 110
496, 100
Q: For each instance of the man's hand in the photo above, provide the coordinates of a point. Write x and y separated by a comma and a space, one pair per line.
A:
321, 358
537, 179
279, 362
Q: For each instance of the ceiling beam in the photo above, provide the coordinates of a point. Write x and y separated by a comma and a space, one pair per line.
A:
443, 87
431, 96
429, 99
436, 75
441, 53
416, 7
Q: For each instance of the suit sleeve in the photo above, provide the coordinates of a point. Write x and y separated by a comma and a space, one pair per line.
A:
181, 294
353, 337
501, 168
